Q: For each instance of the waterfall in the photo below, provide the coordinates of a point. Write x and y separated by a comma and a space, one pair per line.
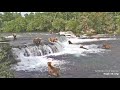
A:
62, 39
33, 57
41, 50
36, 57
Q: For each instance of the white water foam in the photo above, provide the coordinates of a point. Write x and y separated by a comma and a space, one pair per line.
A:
35, 63
39, 63
11, 36
76, 40
77, 51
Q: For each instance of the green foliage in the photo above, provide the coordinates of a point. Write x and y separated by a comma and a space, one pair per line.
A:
58, 24
6, 60
78, 22
118, 32
17, 25
72, 25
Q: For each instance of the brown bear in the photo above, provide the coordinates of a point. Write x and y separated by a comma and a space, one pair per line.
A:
106, 46
52, 39
14, 36
37, 41
53, 70
83, 47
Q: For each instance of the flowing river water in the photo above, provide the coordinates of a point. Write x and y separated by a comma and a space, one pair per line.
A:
73, 61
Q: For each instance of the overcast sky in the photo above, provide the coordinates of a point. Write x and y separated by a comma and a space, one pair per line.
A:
21, 13
24, 13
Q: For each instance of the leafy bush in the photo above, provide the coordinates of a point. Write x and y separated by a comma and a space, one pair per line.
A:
6, 60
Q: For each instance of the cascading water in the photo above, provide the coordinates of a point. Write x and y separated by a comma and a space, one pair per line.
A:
42, 50
34, 57
62, 39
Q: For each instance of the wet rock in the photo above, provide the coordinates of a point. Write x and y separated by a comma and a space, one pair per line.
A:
83, 47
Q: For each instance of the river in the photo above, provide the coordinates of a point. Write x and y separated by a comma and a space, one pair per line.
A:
74, 62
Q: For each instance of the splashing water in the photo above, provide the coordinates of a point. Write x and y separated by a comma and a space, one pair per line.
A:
77, 40
35, 63
35, 58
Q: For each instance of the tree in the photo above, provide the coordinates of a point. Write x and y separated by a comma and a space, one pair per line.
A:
71, 25
78, 22
17, 25
58, 24
20, 24
8, 16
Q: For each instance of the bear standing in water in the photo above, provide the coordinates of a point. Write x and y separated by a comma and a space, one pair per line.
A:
37, 41
83, 47
70, 42
106, 46
53, 70
14, 36
53, 39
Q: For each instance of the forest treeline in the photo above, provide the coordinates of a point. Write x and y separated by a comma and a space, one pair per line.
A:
77, 22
